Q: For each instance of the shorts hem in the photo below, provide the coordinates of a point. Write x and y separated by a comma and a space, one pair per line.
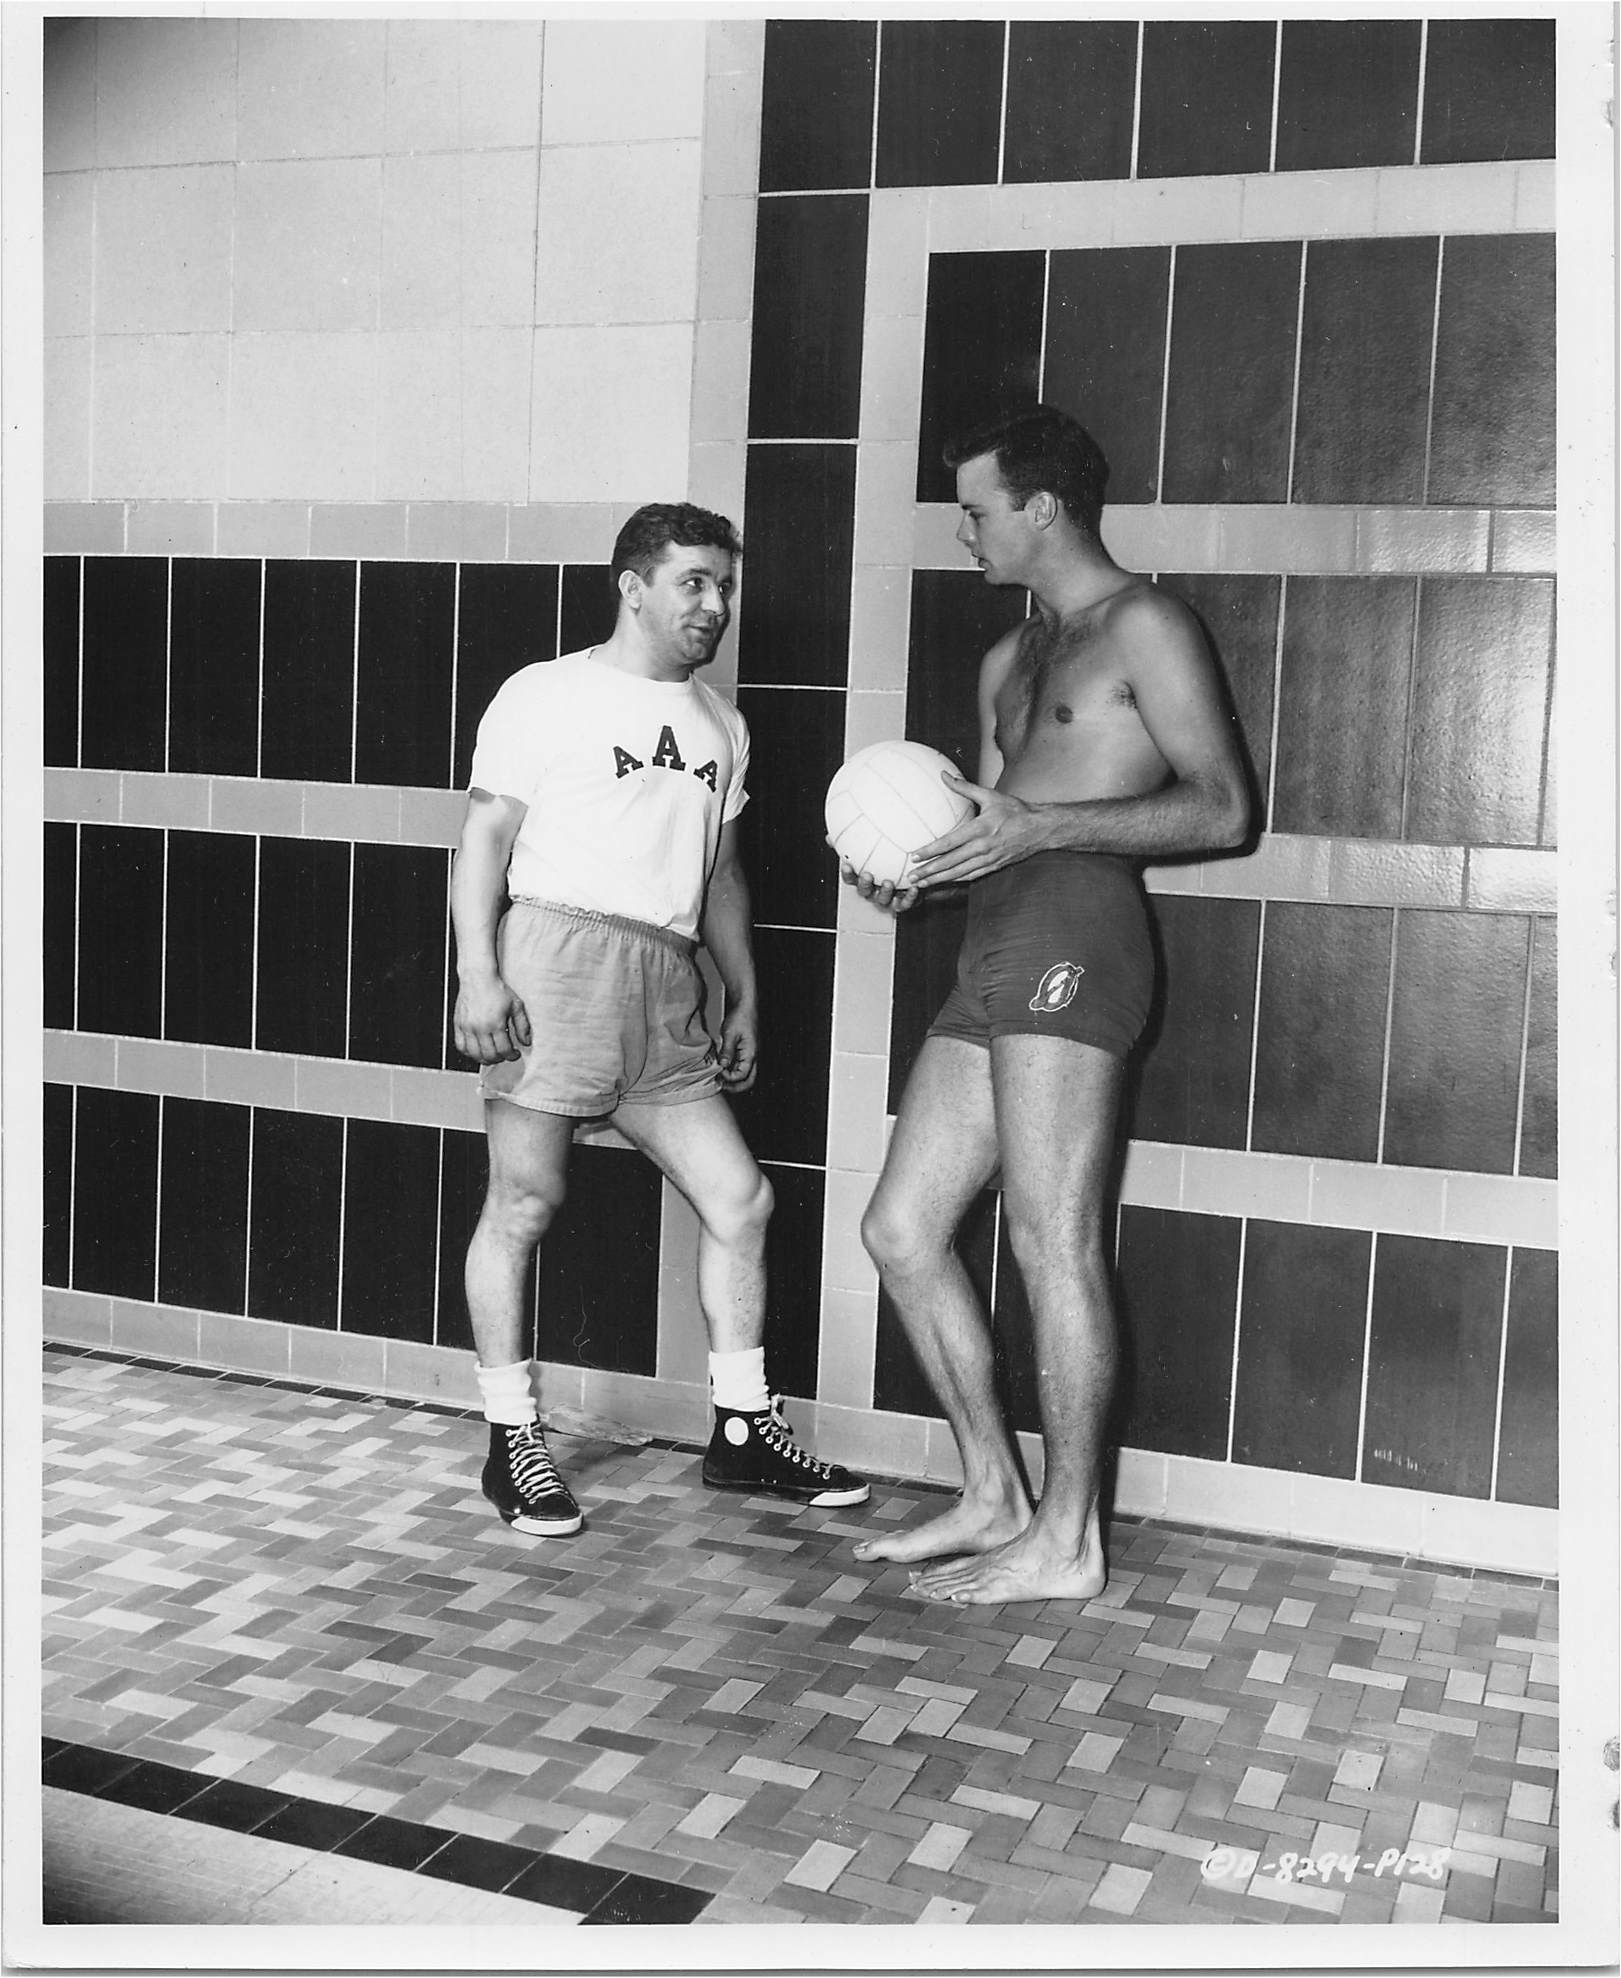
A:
533, 1104
1112, 1045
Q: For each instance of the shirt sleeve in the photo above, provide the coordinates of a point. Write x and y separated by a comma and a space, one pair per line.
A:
503, 754
736, 795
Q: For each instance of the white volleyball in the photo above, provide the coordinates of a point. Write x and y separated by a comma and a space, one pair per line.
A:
887, 801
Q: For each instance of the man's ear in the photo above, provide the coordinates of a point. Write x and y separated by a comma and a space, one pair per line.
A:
630, 589
1043, 508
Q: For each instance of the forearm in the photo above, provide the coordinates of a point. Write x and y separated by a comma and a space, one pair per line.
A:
477, 890
728, 935
1187, 816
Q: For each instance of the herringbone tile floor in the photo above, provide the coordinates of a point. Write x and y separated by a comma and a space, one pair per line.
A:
305, 1591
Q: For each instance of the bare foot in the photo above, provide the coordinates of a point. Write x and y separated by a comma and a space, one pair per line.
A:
964, 1528
1024, 1569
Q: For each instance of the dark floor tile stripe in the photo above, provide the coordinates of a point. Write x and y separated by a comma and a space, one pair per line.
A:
596, 1895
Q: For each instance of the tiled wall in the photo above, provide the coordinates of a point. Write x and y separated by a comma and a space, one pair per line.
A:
1330, 420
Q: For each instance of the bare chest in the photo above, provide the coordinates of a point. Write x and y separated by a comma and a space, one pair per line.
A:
1062, 693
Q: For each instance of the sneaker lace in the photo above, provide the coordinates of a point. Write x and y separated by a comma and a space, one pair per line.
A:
533, 1469
780, 1437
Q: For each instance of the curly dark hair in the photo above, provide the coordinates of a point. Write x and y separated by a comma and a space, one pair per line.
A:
1041, 447
648, 533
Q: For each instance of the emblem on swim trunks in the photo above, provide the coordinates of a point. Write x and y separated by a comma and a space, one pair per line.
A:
1056, 990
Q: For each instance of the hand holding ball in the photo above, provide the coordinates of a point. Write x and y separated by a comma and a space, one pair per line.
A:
887, 802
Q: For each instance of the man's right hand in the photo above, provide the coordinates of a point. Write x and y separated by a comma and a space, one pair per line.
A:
491, 1023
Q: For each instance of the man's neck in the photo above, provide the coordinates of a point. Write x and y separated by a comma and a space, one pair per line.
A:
1079, 575
631, 654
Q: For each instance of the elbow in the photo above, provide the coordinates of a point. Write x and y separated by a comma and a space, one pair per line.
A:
1230, 824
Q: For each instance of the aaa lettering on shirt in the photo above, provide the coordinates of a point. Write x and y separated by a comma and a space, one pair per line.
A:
666, 756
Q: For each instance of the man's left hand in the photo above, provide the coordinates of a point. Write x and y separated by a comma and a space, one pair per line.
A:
738, 1051
1004, 830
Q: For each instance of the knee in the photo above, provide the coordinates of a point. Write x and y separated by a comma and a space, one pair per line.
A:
1043, 1234
738, 1217
520, 1211
892, 1239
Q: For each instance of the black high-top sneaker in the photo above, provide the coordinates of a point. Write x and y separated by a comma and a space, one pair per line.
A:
756, 1453
524, 1484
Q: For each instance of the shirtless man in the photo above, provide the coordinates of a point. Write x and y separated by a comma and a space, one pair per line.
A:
1104, 739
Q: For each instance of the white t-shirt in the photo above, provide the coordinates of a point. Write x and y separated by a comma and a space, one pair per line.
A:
627, 781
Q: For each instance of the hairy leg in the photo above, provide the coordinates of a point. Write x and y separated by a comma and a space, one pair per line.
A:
698, 1146
528, 1175
943, 1153
1057, 1104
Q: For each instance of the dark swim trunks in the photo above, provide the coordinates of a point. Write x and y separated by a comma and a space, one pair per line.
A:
1056, 946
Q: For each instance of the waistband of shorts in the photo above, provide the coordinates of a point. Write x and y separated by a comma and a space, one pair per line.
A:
610, 923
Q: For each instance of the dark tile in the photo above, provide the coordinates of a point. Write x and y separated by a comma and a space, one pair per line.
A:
1177, 1292
1488, 90
155, 1788
793, 1259
60, 925
816, 105
928, 940
293, 1230
784, 1118
208, 938
307, 721
234, 1805
1365, 345
1194, 1077
1240, 620
1319, 1061
115, 1193
1206, 98
1347, 94
1455, 1032
123, 662
1492, 440
900, 1385
981, 352
794, 628
81, 1768
56, 1181
1528, 1436
214, 666
956, 618
303, 958
1342, 706
561, 1883
587, 608
1539, 1120
939, 102
120, 929
1303, 1313
1071, 101
1482, 670
1108, 314
390, 1229
404, 668
393, 1843
642, 1899
399, 954
1229, 396
810, 280
313, 1824
477, 1863
1433, 1353
599, 1265
796, 742
60, 628
203, 1208
507, 618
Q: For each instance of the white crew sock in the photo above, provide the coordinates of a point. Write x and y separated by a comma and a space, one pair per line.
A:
737, 1380
509, 1395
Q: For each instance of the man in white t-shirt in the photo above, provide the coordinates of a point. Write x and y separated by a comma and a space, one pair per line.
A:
606, 789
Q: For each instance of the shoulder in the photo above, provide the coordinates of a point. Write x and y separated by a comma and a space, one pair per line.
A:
1147, 622
535, 678
724, 712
